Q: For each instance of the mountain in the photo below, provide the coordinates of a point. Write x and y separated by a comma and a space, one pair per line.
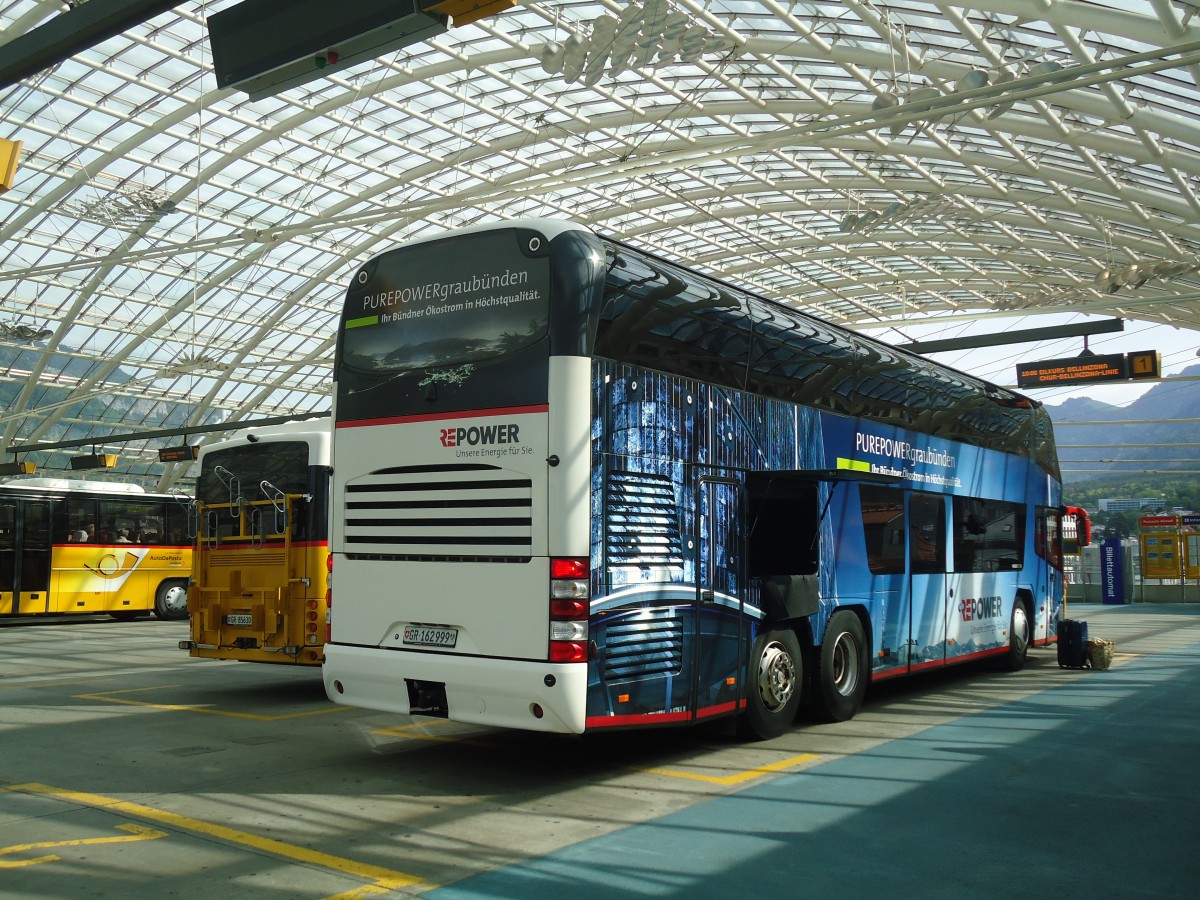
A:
126, 412
1162, 409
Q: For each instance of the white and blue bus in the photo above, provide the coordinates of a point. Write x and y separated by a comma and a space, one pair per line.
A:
579, 487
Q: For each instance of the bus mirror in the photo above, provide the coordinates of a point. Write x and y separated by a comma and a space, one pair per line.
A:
1083, 524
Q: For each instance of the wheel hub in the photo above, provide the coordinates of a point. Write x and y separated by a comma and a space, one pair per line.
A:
776, 676
845, 665
1020, 629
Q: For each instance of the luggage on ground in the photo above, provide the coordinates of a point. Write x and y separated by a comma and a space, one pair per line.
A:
1072, 644
1100, 652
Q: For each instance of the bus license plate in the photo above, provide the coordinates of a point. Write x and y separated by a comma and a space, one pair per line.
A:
420, 636
238, 619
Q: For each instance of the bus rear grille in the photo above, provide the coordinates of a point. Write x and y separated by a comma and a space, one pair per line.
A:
239, 558
434, 513
650, 644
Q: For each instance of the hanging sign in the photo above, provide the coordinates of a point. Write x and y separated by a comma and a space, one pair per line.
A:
1073, 370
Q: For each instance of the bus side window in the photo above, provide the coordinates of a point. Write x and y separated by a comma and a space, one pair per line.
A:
989, 535
81, 519
927, 533
883, 528
1050, 542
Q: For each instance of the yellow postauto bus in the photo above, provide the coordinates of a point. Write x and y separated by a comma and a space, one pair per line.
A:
258, 591
89, 547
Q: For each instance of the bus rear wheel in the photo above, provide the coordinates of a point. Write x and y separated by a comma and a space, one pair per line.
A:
840, 679
1019, 633
170, 600
773, 691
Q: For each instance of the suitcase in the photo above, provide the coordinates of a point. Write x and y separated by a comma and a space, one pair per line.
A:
1072, 644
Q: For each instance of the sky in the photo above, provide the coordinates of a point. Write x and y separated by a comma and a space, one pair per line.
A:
1180, 348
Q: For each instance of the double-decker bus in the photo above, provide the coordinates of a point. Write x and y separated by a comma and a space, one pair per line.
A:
577, 487
70, 546
258, 589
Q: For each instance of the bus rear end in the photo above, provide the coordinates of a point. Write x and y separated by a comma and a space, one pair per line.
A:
460, 506
259, 579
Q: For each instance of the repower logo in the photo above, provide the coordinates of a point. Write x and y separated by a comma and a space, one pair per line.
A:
980, 608
481, 435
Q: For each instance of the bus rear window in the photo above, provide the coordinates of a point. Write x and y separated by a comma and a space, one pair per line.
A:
447, 303
226, 474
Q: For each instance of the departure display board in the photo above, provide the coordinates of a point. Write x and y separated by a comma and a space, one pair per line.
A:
1072, 370
178, 454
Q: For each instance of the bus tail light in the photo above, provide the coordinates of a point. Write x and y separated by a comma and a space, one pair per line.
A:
328, 597
569, 596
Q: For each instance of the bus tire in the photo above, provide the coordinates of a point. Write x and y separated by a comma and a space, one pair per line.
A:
1019, 633
170, 600
842, 671
774, 685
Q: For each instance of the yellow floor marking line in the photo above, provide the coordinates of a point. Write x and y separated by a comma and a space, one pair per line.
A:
367, 890
140, 833
737, 777
377, 876
110, 697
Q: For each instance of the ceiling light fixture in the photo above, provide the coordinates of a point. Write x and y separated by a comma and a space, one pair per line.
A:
897, 214
921, 99
189, 364
125, 208
23, 334
643, 37
1111, 279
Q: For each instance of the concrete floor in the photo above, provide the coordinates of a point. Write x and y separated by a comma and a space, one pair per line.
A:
131, 770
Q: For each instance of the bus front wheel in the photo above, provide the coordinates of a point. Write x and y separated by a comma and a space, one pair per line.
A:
842, 671
1019, 632
773, 692
170, 600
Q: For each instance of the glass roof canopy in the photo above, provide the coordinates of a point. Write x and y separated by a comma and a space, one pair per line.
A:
174, 254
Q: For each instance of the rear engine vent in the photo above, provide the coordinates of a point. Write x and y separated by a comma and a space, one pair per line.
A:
459, 512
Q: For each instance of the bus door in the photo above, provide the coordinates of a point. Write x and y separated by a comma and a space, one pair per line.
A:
927, 580
25, 550
8, 555
718, 648
1050, 546
1051, 584
885, 537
